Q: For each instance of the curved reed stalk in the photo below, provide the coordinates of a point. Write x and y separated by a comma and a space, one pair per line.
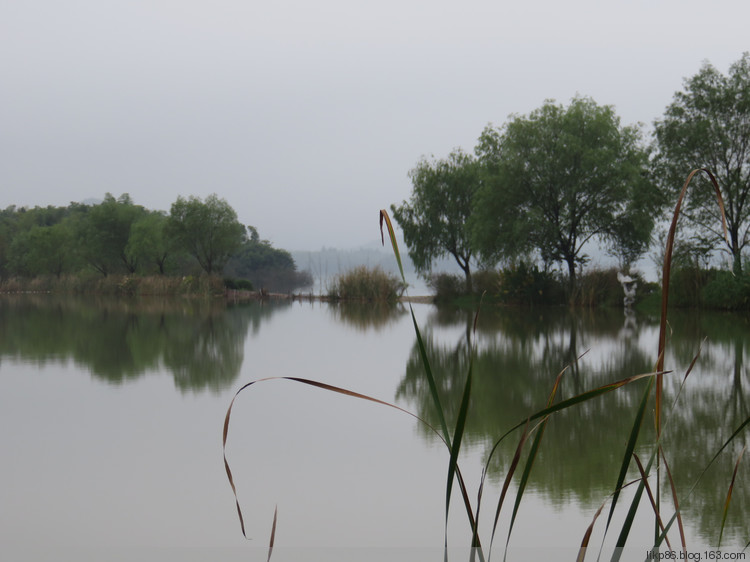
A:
453, 440
666, 273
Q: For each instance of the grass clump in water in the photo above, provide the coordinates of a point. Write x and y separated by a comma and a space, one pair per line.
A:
366, 284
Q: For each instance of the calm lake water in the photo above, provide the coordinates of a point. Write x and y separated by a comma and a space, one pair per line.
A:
111, 417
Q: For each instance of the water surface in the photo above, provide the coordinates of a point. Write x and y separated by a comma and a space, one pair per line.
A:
112, 414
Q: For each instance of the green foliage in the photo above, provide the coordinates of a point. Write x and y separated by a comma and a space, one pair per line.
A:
599, 287
8, 220
496, 231
265, 266
435, 220
726, 291
149, 243
708, 125
43, 250
117, 238
686, 285
208, 230
486, 281
447, 287
441, 411
103, 234
366, 284
238, 284
523, 283
207, 285
198, 341
39, 241
91, 283
559, 178
691, 286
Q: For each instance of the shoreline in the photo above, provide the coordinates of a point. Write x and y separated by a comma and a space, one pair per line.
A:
236, 295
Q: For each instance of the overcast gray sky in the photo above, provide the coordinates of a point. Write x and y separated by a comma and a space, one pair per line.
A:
307, 116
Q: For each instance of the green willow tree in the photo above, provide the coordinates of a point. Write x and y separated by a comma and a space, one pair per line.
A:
44, 250
149, 244
560, 178
435, 219
208, 230
104, 231
40, 241
707, 125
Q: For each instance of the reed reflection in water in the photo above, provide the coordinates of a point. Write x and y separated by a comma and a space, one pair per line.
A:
106, 433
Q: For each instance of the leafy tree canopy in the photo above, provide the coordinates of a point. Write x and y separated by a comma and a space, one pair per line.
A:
149, 244
103, 234
265, 266
208, 230
435, 219
559, 178
118, 236
707, 125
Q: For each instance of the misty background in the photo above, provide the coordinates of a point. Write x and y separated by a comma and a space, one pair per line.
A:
307, 117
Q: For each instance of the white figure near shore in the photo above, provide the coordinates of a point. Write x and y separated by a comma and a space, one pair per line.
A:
629, 285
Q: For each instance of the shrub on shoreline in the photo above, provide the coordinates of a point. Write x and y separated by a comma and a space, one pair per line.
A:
447, 287
117, 285
709, 288
366, 284
524, 284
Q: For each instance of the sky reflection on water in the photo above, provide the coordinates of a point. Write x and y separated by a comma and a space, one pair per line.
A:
101, 452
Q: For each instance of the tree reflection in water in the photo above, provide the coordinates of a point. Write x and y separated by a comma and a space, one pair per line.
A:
519, 352
201, 342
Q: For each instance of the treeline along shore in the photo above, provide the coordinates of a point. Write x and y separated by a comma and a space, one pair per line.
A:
524, 211
518, 216
118, 247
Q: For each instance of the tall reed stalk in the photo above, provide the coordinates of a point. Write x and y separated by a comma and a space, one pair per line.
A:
532, 431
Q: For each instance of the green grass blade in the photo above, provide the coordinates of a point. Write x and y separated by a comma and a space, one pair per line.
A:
508, 478
629, 448
450, 443
736, 432
456, 447
728, 441
625, 531
729, 497
588, 395
675, 501
525, 476
385, 219
563, 404
578, 399
530, 460
431, 380
587, 535
649, 493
